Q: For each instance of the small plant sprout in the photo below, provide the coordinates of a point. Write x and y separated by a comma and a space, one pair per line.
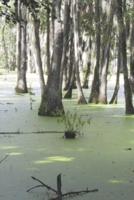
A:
73, 123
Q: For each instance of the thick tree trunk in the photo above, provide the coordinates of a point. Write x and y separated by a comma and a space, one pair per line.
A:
21, 86
51, 102
96, 82
127, 89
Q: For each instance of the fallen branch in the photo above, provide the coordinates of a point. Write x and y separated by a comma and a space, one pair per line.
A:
58, 191
32, 188
75, 193
80, 192
43, 185
34, 132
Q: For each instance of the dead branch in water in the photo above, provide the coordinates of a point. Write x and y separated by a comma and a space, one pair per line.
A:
58, 192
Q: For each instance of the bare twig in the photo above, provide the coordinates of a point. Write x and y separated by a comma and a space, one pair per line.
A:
4, 158
43, 185
75, 193
79, 192
32, 188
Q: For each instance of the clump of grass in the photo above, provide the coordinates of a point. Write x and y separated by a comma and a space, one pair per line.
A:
73, 122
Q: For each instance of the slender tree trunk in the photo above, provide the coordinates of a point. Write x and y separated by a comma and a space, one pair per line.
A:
51, 101
66, 32
103, 79
68, 94
48, 38
71, 77
122, 31
88, 43
132, 53
21, 86
38, 53
116, 89
87, 72
96, 82
66, 74
5, 49
88, 64
81, 98
105, 55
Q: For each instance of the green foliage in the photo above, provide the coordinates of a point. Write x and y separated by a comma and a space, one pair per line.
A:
86, 16
73, 122
40, 8
7, 10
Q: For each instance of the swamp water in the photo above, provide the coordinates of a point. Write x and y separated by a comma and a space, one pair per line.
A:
102, 158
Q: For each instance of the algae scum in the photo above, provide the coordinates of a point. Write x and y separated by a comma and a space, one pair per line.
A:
102, 158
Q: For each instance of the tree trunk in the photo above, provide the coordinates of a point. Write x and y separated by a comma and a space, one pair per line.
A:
81, 98
132, 53
116, 89
105, 55
5, 49
71, 78
48, 38
103, 78
51, 101
96, 82
21, 86
65, 37
87, 63
38, 53
122, 31
68, 94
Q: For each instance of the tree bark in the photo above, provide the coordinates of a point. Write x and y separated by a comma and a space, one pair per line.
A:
96, 79
21, 86
66, 34
48, 38
122, 31
38, 53
87, 63
81, 98
116, 89
105, 55
71, 78
5, 49
51, 101
132, 53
